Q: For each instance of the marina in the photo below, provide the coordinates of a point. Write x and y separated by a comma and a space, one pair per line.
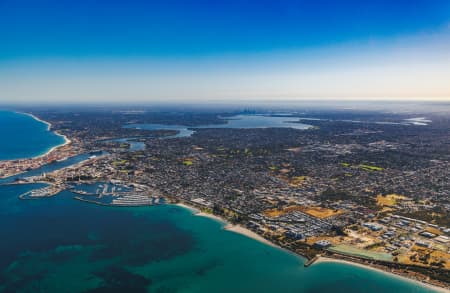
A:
41, 192
115, 194
165, 239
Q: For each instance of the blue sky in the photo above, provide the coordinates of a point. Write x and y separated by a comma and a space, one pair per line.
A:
174, 49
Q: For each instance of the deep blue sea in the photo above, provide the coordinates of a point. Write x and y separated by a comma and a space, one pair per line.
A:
22, 136
59, 244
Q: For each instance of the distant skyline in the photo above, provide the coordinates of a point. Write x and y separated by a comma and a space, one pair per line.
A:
159, 51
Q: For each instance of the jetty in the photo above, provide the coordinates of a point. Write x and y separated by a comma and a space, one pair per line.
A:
311, 261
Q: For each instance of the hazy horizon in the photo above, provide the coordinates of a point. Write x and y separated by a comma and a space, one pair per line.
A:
268, 106
113, 52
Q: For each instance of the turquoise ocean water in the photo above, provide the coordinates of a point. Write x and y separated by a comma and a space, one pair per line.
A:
59, 244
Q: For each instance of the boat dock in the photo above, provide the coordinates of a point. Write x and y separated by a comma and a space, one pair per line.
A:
125, 201
41, 192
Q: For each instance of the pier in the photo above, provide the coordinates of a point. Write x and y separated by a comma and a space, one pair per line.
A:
311, 261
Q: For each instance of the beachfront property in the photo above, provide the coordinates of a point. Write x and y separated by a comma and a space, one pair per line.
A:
245, 179
322, 244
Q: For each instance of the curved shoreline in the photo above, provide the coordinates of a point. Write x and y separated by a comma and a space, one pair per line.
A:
248, 233
324, 259
321, 259
231, 227
49, 126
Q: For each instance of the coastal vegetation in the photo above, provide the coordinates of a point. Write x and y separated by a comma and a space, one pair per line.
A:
292, 187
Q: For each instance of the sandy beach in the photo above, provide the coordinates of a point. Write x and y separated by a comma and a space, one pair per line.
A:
49, 126
323, 259
228, 226
211, 216
197, 212
246, 232
192, 209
